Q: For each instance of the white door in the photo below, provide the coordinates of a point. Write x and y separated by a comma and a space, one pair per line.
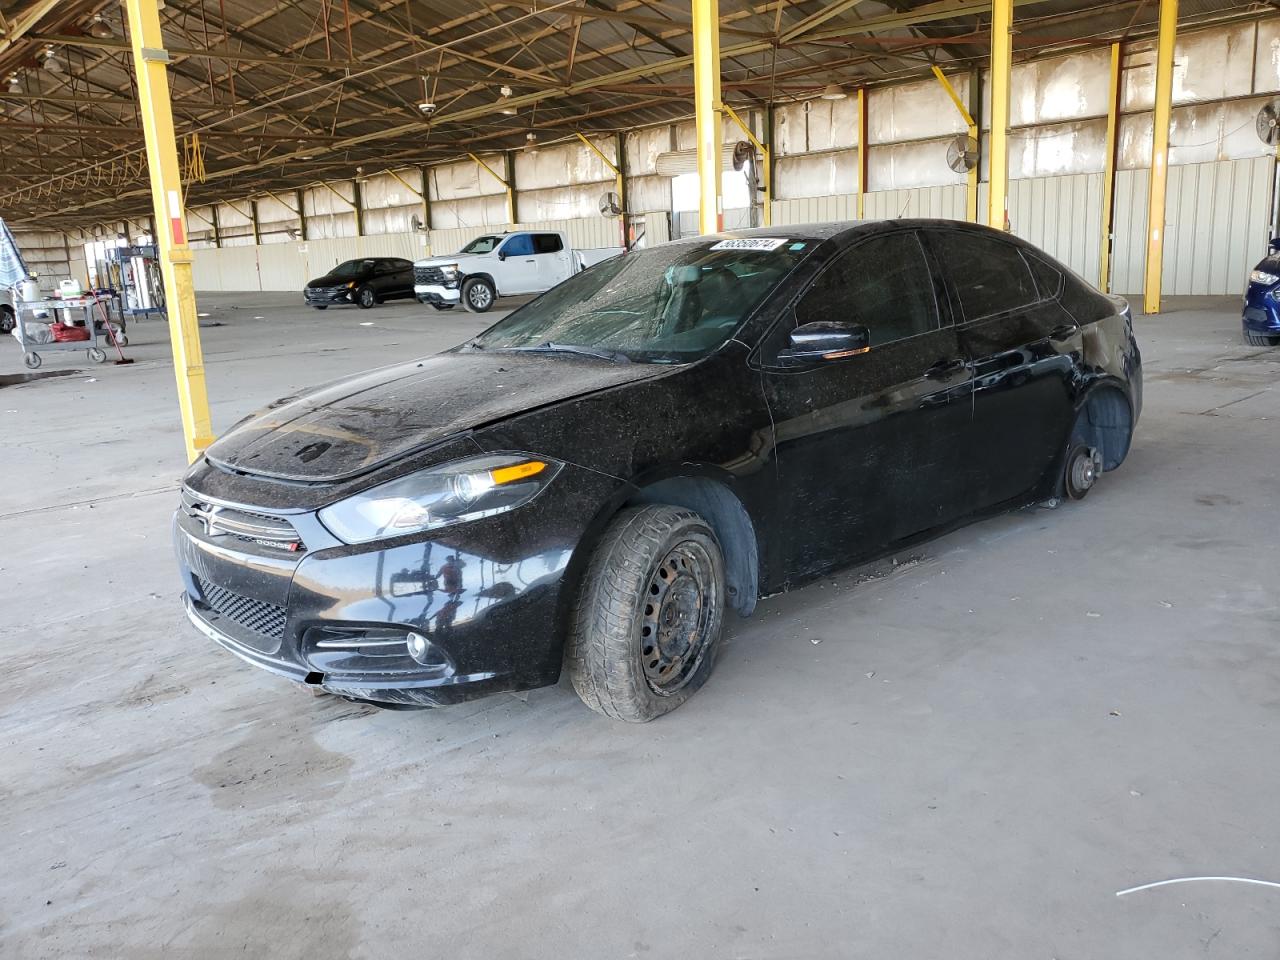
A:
519, 270
555, 262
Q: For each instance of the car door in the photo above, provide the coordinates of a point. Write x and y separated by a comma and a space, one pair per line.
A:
400, 273
1020, 341
869, 448
519, 271
553, 259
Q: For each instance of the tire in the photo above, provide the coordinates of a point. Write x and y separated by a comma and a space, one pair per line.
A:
478, 295
366, 298
1083, 467
122, 340
96, 355
631, 659
31, 361
1260, 339
320, 306
7, 323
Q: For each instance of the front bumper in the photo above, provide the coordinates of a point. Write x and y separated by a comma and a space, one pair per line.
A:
1261, 310
436, 293
488, 595
325, 297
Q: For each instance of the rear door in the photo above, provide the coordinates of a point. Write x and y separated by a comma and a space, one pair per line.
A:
1020, 341
554, 264
401, 274
870, 448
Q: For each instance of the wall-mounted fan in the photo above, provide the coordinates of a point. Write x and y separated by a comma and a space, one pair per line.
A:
416, 222
1267, 124
962, 154
742, 152
610, 205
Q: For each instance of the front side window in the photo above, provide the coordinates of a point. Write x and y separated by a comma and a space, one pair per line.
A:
352, 269
481, 245
547, 243
520, 245
883, 284
989, 275
669, 304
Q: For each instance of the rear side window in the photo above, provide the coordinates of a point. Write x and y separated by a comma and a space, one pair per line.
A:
883, 284
521, 245
989, 275
1048, 278
547, 243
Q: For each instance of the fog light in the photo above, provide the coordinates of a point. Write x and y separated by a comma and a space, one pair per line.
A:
420, 649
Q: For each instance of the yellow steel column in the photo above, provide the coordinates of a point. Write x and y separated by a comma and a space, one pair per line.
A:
1109, 171
862, 153
1001, 66
150, 64
1160, 153
706, 104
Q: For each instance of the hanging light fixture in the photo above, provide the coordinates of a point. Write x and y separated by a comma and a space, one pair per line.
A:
504, 108
15, 85
51, 61
99, 28
530, 142
833, 91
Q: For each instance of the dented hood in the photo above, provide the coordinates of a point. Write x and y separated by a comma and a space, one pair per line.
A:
355, 425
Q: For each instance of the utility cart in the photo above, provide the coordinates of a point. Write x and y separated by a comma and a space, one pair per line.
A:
94, 308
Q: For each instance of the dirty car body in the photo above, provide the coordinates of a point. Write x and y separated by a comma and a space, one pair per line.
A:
975, 364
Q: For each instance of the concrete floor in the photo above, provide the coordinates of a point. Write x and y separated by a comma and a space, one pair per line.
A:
964, 755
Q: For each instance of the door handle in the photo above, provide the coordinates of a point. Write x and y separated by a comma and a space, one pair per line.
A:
531, 261
1064, 332
944, 368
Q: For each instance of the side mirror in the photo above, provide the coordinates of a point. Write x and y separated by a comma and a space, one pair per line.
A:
822, 341
1274, 245
502, 254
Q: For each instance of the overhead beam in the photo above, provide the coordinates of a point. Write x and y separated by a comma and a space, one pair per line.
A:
19, 27
816, 20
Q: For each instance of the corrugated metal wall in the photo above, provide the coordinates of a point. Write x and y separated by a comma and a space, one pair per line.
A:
1217, 224
1062, 216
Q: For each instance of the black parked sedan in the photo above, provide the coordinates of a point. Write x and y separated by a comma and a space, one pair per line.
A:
364, 282
590, 483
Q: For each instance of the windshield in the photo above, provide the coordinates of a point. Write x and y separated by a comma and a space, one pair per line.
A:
481, 245
352, 268
672, 304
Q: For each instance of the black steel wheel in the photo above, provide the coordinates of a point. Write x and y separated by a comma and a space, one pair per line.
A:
366, 297
1084, 466
647, 624
478, 294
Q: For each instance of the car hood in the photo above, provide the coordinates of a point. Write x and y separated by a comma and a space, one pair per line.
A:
452, 258
329, 280
355, 425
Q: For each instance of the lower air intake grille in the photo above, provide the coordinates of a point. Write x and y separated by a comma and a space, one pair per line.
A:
265, 619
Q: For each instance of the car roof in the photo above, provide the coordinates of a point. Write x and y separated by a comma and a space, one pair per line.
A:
837, 228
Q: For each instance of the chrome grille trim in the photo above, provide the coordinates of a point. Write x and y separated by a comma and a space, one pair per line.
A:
221, 520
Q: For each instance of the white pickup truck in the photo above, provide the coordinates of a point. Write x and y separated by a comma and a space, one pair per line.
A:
501, 264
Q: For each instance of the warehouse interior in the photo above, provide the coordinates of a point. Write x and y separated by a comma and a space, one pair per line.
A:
971, 746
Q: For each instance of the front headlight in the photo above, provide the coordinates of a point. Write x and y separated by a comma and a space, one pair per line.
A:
453, 493
450, 273
1261, 276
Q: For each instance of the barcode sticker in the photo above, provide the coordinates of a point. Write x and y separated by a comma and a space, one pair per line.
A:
750, 243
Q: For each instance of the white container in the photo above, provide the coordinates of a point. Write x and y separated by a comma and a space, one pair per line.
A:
70, 288
29, 290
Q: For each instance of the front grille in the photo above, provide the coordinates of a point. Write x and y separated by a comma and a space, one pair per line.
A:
428, 275
256, 616
246, 526
317, 293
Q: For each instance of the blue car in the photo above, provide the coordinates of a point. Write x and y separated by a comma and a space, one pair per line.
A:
1261, 319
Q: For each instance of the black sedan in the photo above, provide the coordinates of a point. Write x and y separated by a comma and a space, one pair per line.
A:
592, 482
364, 282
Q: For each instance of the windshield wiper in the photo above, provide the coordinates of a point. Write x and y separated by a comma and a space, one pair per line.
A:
549, 347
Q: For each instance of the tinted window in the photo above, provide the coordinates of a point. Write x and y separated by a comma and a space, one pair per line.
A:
989, 275
547, 243
521, 245
1048, 278
883, 284
352, 268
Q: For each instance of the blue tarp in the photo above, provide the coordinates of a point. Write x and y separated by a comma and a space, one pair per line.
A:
12, 268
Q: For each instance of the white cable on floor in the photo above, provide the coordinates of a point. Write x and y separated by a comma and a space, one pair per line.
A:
1165, 883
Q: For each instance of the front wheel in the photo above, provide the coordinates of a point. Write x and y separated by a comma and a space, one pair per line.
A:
1261, 340
650, 610
366, 298
478, 295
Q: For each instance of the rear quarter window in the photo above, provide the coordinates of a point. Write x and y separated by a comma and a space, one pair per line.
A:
989, 275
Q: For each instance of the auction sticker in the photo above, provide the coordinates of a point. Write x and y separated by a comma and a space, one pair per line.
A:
751, 243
